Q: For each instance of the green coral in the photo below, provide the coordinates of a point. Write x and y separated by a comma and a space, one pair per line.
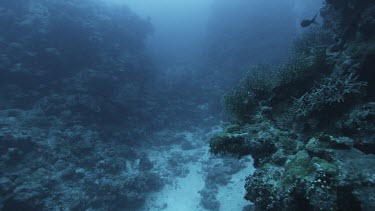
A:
299, 167
229, 143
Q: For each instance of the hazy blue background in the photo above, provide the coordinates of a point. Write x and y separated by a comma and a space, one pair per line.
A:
179, 27
182, 26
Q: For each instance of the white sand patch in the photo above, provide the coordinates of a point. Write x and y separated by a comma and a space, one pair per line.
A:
231, 195
182, 195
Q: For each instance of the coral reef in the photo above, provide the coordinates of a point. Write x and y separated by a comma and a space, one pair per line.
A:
44, 168
312, 124
81, 101
64, 67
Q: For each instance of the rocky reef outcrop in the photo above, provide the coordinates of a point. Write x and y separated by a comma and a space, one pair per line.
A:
71, 73
309, 124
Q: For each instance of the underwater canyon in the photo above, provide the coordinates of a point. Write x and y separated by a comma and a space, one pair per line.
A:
187, 105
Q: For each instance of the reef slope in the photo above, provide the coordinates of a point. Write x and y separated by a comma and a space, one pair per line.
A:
310, 124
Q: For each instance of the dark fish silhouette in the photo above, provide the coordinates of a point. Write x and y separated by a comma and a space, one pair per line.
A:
306, 23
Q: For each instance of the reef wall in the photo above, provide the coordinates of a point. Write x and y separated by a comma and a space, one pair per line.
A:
309, 124
72, 73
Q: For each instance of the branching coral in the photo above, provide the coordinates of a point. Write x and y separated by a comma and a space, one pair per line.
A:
336, 88
307, 56
243, 100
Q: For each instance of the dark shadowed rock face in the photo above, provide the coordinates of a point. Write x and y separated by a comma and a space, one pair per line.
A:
313, 143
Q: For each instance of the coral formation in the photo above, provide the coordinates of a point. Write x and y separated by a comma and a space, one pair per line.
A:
311, 122
61, 73
81, 101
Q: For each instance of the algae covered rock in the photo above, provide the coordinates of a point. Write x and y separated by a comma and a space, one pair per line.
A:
299, 167
259, 140
229, 143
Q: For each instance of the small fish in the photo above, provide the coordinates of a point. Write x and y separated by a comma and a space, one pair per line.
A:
306, 23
